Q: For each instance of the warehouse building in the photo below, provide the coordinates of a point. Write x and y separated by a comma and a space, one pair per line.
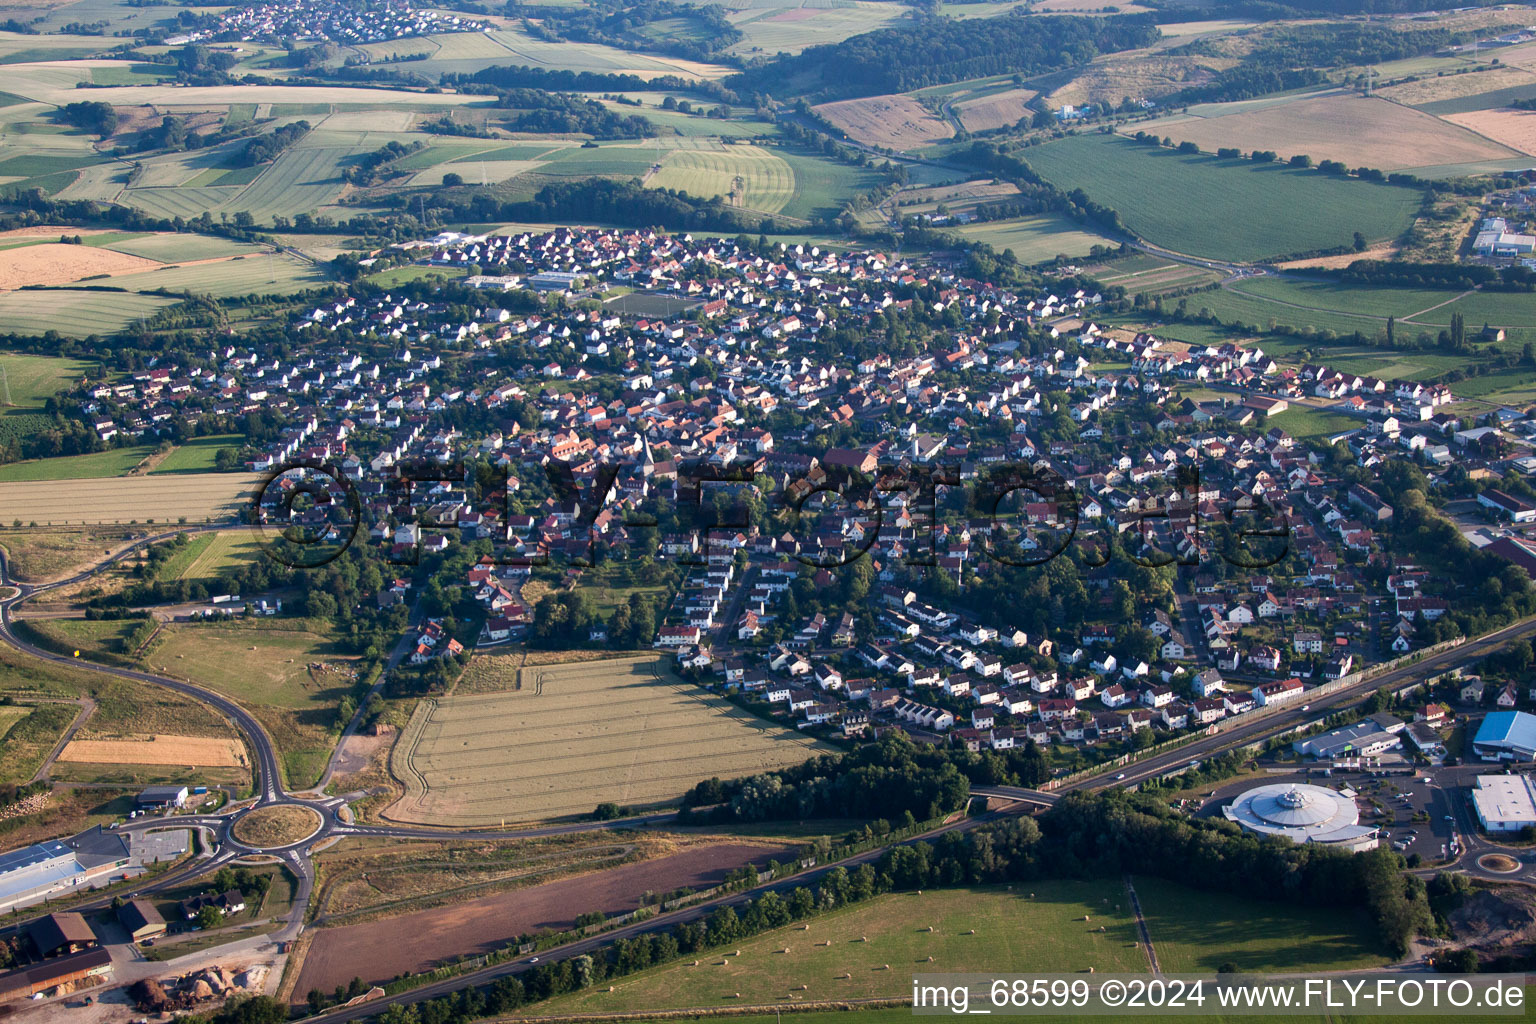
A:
63, 934
33, 873
141, 920
1366, 738
1505, 803
1506, 736
93, 966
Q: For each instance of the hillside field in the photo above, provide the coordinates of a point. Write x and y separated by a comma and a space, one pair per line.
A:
1223, 209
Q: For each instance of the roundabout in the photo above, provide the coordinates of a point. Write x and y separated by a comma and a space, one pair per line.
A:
1502, 863
276, 826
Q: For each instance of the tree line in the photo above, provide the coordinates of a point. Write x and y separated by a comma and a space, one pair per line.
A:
895, 60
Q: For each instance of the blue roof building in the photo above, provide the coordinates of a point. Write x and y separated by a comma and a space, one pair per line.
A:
1506, 736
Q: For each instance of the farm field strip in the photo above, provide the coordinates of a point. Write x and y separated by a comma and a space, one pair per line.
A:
118, 499
200, 751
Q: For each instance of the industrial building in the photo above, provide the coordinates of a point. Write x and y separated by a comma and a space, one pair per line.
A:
1505, 803
158, 797
35, 872
1494, 238
1302, 814
1506, 736
1366, 738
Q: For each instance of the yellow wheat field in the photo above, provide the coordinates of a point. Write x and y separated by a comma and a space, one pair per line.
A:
573, 736
203, 751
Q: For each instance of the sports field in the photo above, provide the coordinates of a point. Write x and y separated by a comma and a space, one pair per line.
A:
872, 949
1223, 209
75, 313
573, 736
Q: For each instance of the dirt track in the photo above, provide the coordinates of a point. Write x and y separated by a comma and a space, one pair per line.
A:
375, 951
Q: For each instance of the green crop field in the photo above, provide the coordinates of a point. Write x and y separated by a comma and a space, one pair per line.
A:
75, 313
303, 179
1035, 239
262, 274
1195, 932
112, 462
769, 182
789, 26
1223, 209
196, 456
178, 247
227, 549
822, 186
1008, 924
185, 202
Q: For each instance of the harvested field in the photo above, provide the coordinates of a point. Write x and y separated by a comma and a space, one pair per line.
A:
1360, 131
894, 122
574, 736
55, 263
123, 499
276, 826
996, 111
1137, 74
1513, 128
193, 751
374, 948
1455, 87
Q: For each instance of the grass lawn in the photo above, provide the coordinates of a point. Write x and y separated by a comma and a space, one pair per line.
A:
403, 275
112, 462
90, 637
30, 380
45, 554
1009, 928
29, 739
1225, 209
1195, 932
227, 549
196, 456
1302, 422
294, 701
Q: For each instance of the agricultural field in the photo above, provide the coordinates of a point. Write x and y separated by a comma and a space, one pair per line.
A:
789, 26
44, 554
181, 248
889, 122
1344, 309
998, 110
1112, 77
750, 176
555, 746
822, 186
880, 943
27, 381
1196, 932
270, 273
76, 313
1223, 209
51, 263
167, 751
1513, 128
1152, 275
1035, 239
478, 926
1360, 131
213, 553
32, 493
1444, 94
292, 680
197, 455
109, 463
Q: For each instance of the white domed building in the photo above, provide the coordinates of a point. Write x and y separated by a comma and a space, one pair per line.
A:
1303, 814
